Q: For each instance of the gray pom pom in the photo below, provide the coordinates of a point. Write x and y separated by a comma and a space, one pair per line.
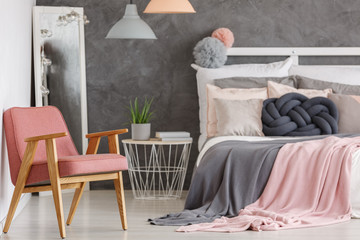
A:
210, 53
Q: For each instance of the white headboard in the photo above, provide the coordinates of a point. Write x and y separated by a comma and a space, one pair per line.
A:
294, 53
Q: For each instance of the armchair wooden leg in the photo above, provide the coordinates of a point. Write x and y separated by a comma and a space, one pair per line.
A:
20, 182
119, 188
13, 205
77, 196
55, 183
56, 190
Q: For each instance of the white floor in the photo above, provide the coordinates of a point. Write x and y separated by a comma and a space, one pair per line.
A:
97, 217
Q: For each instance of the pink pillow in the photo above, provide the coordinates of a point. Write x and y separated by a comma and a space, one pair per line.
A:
214, 92
276, 90
239, 117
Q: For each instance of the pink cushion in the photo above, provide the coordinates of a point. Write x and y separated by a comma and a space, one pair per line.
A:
20, 123
214, 92
276, 90
79, 165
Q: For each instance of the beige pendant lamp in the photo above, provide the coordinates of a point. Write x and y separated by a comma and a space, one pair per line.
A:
169, 6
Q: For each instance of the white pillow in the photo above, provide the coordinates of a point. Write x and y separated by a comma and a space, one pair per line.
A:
347, 74
207, 76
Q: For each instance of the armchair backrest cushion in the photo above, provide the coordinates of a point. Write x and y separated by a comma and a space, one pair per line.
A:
21, 123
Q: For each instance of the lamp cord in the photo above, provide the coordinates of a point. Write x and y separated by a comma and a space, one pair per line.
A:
131, 2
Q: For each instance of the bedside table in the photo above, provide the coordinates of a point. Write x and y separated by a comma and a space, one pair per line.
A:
156, 168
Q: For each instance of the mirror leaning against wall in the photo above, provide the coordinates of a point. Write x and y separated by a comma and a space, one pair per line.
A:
59, 62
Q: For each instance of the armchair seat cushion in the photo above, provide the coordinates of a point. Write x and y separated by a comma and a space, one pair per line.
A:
78, 165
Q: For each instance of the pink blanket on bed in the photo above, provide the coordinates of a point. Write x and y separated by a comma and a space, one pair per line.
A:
309, 186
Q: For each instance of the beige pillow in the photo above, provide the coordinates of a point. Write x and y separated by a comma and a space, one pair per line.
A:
239, 117
231, 94
276, 90
349, 112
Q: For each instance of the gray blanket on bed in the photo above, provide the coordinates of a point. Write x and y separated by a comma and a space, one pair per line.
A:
231, 175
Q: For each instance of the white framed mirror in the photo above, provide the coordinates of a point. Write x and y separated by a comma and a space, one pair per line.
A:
59, 66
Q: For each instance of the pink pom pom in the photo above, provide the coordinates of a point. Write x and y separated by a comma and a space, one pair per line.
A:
224, 35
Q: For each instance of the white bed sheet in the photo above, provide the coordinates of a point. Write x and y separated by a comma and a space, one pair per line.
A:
355, 169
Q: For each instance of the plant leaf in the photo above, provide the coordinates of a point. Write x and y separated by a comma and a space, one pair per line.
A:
138, 114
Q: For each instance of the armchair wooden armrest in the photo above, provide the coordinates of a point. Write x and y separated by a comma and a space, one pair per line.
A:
30, 150
45, 137
112, 140
107, 133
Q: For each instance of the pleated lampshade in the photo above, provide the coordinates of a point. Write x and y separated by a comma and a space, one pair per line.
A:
131, 26
169, 6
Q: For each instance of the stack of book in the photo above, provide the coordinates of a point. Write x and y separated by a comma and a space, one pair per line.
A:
173, 136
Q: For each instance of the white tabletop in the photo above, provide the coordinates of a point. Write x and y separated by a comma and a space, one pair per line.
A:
154, 141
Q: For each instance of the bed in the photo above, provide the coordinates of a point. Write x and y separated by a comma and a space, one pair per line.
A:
220, 186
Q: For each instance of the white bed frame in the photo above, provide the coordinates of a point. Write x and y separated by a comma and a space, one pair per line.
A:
294, 53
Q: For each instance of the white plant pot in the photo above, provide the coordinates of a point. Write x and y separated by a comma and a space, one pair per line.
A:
140, 132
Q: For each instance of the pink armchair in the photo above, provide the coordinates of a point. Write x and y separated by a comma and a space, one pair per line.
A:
43, 157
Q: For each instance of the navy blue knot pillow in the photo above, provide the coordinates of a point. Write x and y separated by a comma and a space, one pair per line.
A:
294, 114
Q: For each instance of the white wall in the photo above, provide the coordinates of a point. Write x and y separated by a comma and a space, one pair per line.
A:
15, 77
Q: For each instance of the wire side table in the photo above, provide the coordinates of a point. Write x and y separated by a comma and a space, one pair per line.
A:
157, 169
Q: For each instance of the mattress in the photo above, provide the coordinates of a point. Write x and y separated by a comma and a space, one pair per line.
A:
355, 176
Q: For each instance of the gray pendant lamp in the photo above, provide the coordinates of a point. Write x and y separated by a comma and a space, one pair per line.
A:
131, 26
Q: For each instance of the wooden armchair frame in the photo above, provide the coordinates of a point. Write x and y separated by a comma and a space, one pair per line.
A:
58, 183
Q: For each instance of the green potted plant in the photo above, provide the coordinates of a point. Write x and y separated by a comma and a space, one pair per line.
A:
140, 119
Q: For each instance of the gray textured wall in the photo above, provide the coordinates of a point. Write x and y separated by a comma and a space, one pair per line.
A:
119, 70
